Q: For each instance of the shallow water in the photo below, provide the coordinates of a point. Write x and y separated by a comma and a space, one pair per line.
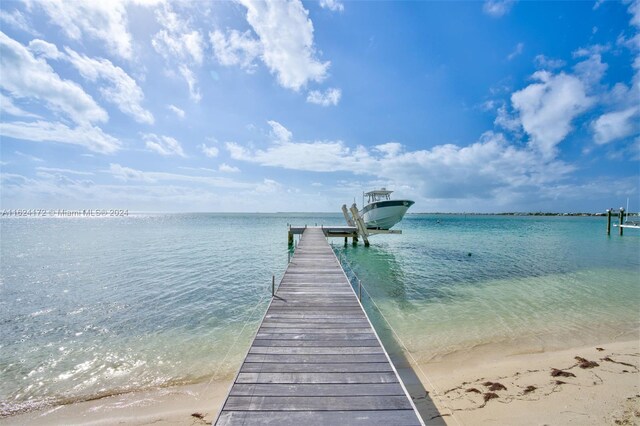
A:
97, 306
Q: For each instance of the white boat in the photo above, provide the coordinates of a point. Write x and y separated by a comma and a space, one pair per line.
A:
381, 212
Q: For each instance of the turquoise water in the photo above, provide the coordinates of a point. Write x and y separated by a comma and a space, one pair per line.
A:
95, 306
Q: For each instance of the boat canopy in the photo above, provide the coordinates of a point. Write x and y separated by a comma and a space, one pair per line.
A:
378, 195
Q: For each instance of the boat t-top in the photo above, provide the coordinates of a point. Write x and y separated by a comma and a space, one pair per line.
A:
381, 212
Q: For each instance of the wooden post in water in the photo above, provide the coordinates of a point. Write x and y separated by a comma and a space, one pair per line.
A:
608, 221
345, 240
621, 220
273, 285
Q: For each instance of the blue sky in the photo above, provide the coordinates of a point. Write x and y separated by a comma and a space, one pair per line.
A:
300, 106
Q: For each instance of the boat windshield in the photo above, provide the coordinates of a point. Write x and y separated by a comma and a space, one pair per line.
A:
381, 195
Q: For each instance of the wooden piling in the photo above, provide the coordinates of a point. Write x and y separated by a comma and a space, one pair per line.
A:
608, 221
621, 220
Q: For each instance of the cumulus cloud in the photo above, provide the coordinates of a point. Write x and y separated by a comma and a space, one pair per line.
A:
329, 97
591, 70
45, 49
105, 21
543, 62
25, 76
488, 168
209, 151
225, 168
546, 109
279, 132
236, 48
176, 39
90, 137
497, 8
616, 125
116, 86
163, 145
284, 43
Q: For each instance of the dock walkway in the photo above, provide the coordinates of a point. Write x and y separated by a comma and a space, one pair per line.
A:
316, 359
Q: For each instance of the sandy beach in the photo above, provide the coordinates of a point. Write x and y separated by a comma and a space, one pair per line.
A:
181, 405
592, 385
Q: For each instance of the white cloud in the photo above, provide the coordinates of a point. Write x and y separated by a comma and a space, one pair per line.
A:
235, 48
120, 89
105, 21
279, 132
506, 120
616, 125
163, 145
543, 62
176, 39
209, 151
45, 49
390, 149
25, 76
329, 97
29, 157
225, 168
177, 111
332, 5
547, 108
92, 138
285, 37
8, 107
497, 8
66, 171
17, 20
634, 9
128, 174
517, 51
488, 168
192, 82
591, 70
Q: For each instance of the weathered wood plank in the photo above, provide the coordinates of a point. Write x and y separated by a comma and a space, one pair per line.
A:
317, 378
319, 418
369, 389
332, 350
312, 330
320, 403
316, 358
362, 367
316, 336
326, 343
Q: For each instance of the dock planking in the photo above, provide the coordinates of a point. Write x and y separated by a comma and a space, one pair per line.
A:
316, 359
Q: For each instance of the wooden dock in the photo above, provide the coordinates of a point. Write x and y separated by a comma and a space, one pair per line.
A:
316, 359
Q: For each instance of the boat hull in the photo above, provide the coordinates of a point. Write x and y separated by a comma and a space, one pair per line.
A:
384, 214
